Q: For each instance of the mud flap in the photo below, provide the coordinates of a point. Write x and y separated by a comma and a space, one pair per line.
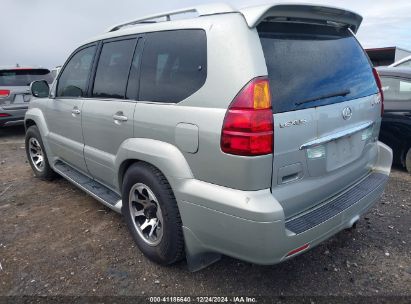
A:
196, 255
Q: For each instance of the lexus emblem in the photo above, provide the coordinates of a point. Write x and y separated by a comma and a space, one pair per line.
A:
347, 113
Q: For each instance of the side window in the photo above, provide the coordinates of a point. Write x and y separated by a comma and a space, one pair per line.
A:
174, 65
396, 89
405, 64
74, 77
113, 69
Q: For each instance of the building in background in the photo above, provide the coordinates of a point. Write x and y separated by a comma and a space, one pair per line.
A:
387, 55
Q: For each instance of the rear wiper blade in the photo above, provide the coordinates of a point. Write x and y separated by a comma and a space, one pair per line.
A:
335, 94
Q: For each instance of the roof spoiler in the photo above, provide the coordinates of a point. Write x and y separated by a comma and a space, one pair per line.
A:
255, 15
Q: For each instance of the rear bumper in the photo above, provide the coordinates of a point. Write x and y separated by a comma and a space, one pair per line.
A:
251, 226
16, 117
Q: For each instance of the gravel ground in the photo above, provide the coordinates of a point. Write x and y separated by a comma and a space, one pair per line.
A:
56, 240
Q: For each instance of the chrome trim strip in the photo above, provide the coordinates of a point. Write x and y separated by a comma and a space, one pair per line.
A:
116, 207
335, 136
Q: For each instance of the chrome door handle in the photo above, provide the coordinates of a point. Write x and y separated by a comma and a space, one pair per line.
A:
118, 117
75, 111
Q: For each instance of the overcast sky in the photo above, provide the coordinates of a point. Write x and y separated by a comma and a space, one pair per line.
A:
45, 32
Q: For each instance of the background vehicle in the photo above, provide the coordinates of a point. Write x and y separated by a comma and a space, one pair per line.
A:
403, 63
396, 122
15, 92
215, 135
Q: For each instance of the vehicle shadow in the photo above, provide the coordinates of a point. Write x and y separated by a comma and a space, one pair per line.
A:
13, 133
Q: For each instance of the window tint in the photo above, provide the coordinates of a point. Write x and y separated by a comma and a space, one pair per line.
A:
307, 64
405, 64
23, 77
74, 78
174, 65
113, 69
396, 89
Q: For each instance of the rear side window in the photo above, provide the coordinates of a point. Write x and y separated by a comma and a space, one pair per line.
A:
113, 69
74, 78
313, 65
23, 77
396, 89
174, 65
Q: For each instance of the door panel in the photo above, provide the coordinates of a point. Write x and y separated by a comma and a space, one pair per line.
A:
64, 112
106, 125
108, 116
66, 137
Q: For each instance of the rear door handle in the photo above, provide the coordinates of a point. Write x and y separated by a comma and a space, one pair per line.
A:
118, 117
75, 111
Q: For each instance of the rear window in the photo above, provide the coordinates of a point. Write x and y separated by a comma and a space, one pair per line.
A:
23, 77
396, 89
174, 65
313, 65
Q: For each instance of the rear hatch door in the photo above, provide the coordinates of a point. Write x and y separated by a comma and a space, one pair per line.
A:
326, 110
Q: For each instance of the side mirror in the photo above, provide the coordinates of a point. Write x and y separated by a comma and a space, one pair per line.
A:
40, 89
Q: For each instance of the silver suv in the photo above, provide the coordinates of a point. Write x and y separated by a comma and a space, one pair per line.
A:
250, 133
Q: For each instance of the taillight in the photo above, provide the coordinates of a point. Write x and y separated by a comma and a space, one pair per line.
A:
379, 85
4, 93
248, 123
4, 115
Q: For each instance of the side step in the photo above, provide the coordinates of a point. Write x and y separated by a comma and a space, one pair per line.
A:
92, 187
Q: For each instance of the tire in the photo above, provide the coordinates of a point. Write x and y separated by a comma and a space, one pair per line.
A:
34, 151
151, 213
408, 161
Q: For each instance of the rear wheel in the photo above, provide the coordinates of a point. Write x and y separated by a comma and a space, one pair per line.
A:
408, 161
152, 215
36, 154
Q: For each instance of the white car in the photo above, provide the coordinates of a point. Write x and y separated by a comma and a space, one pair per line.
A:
404, 63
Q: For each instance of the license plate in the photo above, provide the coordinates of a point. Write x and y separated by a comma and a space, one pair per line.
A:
344, 151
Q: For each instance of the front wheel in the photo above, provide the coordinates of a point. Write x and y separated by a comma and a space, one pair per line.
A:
408, 161
36, 154
152, 215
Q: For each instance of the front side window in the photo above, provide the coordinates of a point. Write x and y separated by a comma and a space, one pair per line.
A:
113, 69
74, 78
396, 89
174, 65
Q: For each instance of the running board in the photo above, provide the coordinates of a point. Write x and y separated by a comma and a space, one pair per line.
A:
101, 193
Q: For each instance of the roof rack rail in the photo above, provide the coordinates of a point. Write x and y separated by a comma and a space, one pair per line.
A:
201, 10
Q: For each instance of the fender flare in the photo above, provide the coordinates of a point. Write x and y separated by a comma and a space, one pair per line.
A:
37, 116
164, 156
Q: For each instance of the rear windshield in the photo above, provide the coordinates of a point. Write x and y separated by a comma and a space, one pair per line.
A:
313, 65
23, 77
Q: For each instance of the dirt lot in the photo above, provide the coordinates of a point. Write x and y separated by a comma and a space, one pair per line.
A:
56, 240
